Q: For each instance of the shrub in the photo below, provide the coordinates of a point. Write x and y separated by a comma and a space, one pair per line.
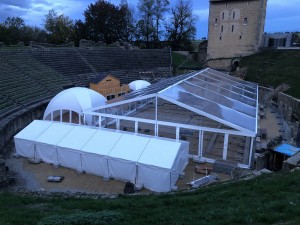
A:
83, 218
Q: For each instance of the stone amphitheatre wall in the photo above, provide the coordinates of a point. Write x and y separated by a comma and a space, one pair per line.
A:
289, 103
15, 122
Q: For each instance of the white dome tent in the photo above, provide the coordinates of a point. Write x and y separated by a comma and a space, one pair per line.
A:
75, 100
138, 84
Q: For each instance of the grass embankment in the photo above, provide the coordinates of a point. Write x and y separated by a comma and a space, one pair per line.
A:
273, 67
182, 62
269, 199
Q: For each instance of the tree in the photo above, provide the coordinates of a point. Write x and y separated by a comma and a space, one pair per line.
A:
181, 29
80, 31
106, 22
145, 24
128, 11
14, 29
160, 8
59, 28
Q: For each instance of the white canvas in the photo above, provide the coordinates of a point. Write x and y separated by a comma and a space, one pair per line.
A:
123, 157
46, 143
161, 163
25, 139
94, 153
69, 148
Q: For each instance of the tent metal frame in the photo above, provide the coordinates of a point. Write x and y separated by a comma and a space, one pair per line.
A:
238, 131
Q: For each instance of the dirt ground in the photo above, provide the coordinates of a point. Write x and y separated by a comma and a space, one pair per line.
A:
33, 177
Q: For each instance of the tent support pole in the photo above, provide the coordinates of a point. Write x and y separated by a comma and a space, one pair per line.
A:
51, 116
118, 124
99, 121
70, 116
251, 152
200, 144
156, 126
136, 127
60, 112
225, 148
177, 133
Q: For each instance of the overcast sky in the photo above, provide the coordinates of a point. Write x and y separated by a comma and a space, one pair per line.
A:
282, 15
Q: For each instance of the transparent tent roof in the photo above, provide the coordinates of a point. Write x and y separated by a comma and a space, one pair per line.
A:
216, 95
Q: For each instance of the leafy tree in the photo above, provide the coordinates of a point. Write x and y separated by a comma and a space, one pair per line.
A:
14, 30
4, 34
34, 34
106, 22
128, 11
181, 28
58, 27
80, 31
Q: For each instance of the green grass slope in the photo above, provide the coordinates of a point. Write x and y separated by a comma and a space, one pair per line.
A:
182, 62
273, 67
269, 199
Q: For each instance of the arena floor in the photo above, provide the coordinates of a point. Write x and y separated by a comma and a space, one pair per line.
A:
33, 177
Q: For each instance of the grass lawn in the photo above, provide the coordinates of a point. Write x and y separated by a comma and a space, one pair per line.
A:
273, 67
269, 199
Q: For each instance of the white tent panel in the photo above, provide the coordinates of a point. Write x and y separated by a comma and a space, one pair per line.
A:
94, 153
161, 163
123, 157
75, 99
69, 148
46, 143
24, 140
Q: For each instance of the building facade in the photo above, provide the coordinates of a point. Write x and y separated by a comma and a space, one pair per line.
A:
235, 29
108, 86
278, 40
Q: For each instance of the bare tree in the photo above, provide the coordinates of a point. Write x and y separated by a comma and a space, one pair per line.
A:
160, 8
181, 28
145, 24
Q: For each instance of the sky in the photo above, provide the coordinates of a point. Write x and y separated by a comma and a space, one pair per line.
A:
282, 15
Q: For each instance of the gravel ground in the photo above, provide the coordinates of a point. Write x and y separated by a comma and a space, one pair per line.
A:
33, 178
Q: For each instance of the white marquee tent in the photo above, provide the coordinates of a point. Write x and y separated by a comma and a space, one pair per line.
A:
106, 153
75, 100
138, 84
25, 139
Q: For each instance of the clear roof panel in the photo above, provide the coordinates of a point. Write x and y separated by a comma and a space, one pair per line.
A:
236, 87
157, 87
210, 108
218, 96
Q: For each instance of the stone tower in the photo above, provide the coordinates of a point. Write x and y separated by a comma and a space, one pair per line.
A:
235, 29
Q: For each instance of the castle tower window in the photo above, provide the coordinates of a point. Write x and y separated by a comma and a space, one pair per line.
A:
233, 15
232, 28
223, 16
226, 4
240, 36
222, 28
245, 21
220, 37
216, 21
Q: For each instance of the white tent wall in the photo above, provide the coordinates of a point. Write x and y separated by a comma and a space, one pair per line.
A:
160, 174
94, 153
69, 148
123, 157
24, 140
46, 143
